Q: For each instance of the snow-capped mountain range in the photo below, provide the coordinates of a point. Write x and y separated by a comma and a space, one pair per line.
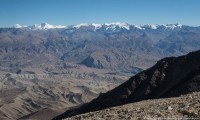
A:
106, 26
115, 46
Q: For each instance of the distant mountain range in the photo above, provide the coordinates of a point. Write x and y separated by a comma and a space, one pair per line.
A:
119, 47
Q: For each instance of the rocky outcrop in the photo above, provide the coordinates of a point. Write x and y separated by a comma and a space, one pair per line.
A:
169, 77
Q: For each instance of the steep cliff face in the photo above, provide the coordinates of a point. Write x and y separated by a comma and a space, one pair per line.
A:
172, 76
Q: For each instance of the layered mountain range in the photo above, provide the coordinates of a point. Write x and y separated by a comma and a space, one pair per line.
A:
119, 47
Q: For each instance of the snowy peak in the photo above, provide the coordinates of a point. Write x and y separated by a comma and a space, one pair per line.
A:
172, 26
149, 26
18, 26
115, 25
81, 25
93, 25
46, 26
157, 26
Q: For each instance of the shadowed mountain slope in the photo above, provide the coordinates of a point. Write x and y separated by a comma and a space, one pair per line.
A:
169, 77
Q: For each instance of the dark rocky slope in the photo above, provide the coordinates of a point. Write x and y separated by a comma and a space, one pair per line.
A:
169, 77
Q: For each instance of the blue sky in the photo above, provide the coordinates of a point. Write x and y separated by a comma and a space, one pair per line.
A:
67, 12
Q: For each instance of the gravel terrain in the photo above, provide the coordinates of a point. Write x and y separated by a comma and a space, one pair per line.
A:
183, 107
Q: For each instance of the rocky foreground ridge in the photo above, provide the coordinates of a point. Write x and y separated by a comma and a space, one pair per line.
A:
184, 107
169, 77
